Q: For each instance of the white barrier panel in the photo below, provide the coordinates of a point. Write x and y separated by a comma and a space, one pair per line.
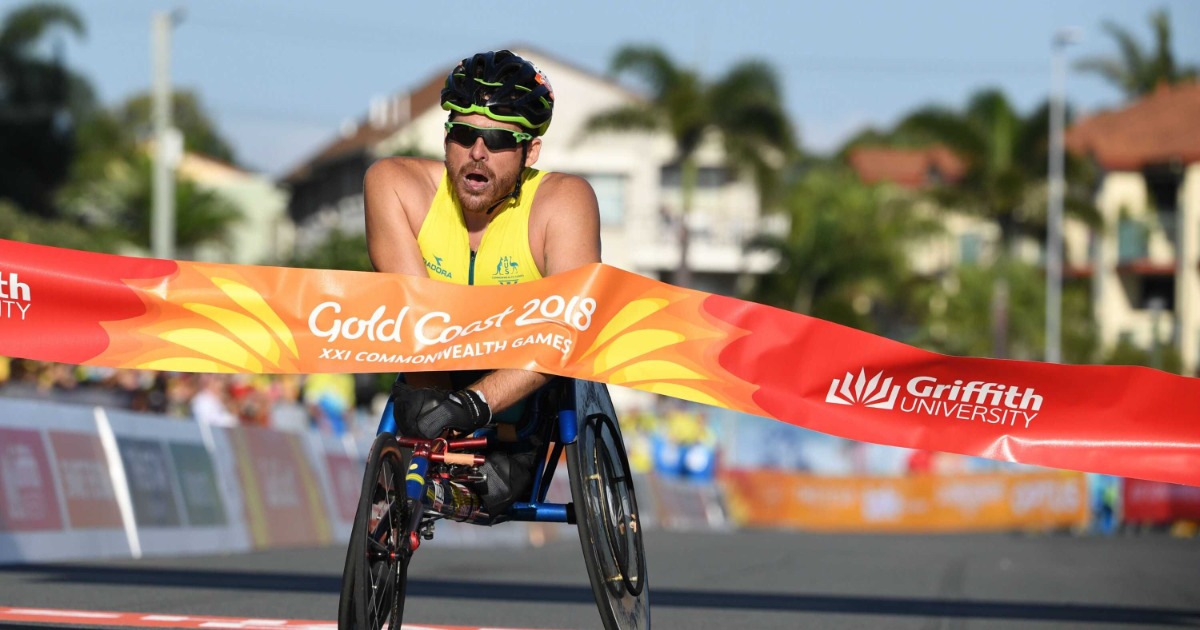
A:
174, 487
683, 505
281, 493
57, 501
339, 467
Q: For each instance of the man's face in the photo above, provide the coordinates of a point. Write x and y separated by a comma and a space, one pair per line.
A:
481, 176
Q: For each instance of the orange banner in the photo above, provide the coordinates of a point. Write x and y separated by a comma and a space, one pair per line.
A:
601, 324
768, 498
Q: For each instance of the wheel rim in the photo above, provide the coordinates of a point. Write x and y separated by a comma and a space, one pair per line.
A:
383, 546
614, 507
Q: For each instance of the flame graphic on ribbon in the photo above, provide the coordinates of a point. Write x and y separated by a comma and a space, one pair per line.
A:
190, 327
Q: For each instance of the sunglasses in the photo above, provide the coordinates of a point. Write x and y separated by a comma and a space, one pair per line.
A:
494, 138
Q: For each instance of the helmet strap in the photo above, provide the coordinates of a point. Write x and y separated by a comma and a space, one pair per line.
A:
515, 195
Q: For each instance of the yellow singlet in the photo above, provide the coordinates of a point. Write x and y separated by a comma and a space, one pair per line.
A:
503, 257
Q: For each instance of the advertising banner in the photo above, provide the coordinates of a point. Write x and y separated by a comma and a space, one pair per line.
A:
339, 470
1154, 502
281, 494
198, 482
767, 498
602, 324
178, 503
57, 501
86, 482
30, 499
151, 483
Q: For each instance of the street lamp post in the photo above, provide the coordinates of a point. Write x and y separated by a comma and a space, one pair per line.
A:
1054, 223
167, 141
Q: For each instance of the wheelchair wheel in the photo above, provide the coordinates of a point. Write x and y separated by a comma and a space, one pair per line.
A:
606, 510
375, 576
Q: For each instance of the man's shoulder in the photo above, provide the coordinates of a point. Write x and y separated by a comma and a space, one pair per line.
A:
555, 184
566, 193
405, 171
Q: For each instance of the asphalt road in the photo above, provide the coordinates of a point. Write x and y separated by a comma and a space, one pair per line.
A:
760, 580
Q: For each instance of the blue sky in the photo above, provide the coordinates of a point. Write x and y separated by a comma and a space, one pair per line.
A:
280, 76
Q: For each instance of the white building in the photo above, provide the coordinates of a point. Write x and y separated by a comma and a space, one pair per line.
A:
1146, 259
637, 188
264, 235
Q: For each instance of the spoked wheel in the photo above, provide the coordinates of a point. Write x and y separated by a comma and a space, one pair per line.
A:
606, 509
376, 572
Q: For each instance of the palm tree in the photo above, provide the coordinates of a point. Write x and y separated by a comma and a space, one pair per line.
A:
40, 101
1138, 71
844, 258
1007, 161
188, 114
744, 106
339, 250
958, 311
202, 217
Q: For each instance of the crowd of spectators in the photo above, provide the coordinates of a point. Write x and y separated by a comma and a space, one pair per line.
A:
328, 401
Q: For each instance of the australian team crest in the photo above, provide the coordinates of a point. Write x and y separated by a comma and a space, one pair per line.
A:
508, 271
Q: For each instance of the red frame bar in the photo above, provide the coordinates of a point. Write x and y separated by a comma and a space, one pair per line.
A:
464, 445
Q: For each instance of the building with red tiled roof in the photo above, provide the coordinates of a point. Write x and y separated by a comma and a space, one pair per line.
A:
1162, 128
1146, 259
965, 238
908, 168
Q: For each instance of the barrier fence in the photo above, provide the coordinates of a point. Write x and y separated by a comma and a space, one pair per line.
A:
977, 502
82, 482
1156, 503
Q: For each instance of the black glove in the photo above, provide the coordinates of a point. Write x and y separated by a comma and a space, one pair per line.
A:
427, 412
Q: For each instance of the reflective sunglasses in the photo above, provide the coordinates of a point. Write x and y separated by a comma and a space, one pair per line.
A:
494, 138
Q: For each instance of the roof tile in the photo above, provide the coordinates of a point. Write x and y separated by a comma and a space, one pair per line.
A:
1161, 127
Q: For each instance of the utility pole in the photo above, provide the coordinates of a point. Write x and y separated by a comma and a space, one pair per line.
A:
168, 144
1054, 222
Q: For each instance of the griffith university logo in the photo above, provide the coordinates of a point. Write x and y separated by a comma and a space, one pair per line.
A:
863, 392
14, 297
961, 398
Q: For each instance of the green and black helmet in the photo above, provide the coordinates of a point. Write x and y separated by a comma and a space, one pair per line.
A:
501, 86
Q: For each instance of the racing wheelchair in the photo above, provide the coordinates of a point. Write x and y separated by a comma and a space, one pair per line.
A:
404, 494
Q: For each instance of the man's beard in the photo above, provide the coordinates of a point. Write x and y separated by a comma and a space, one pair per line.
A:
498, 186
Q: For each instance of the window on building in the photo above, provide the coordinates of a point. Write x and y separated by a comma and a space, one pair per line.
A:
969, 246
933, 176
1133, 240
610, 195
1157, 288
1163, 182
706, 176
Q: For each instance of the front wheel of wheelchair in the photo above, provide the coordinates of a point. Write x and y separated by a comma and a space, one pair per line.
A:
375, 576
607, 514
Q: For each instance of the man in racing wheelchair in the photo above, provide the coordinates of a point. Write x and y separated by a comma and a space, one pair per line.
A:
483, 216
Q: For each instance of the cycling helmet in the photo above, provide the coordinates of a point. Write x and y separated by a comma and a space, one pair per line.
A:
501, 86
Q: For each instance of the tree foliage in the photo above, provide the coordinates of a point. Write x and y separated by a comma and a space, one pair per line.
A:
744, 106
845, 255
339, 251
16, 225
188, 114
41, 101
959, 313
1137, 71
110, 187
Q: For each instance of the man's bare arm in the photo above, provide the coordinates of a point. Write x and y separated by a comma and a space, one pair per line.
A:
572, 240
391, 243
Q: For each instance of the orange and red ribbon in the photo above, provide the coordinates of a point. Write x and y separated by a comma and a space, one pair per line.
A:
602, 324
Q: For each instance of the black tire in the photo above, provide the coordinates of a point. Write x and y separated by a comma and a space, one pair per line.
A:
606, 511
375, 576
